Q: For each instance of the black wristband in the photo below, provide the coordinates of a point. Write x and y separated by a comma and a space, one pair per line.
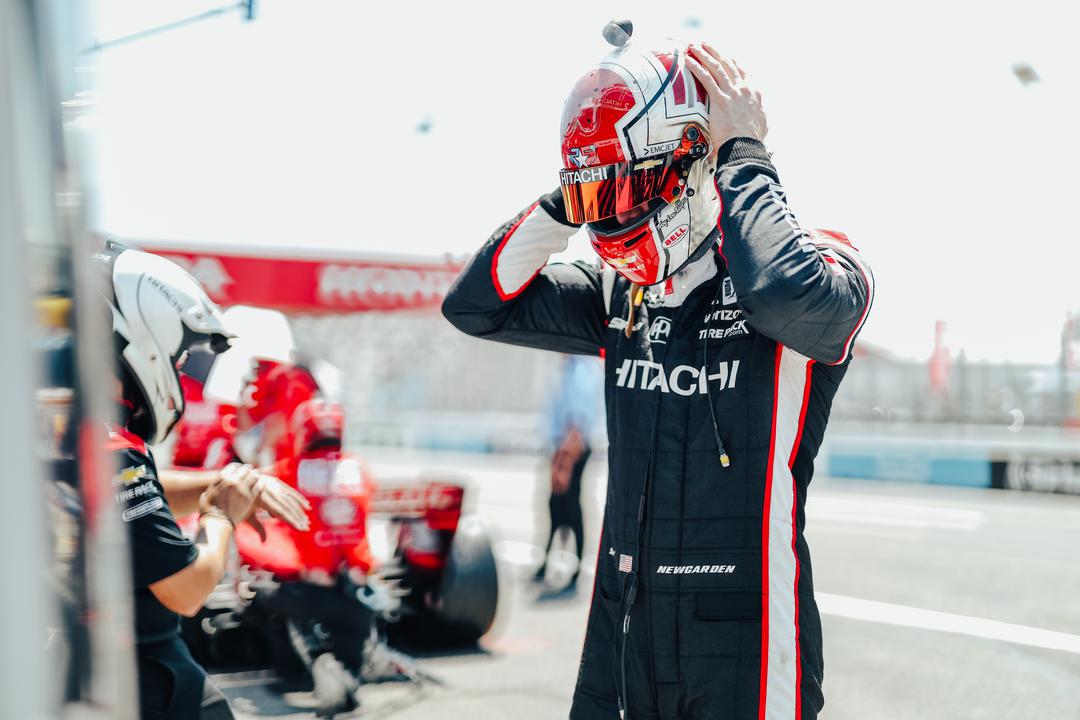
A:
743, 149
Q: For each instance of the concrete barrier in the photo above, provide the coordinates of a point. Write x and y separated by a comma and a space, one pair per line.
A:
1036, 459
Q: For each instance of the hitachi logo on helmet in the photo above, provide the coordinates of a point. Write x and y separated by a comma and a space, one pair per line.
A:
586, 175
694, 569
682, 380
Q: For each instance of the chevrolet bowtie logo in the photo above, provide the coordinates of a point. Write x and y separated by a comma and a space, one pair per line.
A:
648, 164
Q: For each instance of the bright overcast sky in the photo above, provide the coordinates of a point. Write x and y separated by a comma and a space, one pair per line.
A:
901, 124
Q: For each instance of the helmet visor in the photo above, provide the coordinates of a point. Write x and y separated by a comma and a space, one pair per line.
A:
597, 193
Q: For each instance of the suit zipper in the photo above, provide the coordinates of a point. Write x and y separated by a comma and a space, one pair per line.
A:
626, 606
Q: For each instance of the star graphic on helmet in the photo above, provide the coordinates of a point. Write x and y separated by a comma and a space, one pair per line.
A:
582, 156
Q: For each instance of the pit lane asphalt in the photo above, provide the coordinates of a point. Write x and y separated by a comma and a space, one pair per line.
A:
936, 604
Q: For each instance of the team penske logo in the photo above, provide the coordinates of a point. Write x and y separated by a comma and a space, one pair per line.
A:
681, 380
659, 329
694, 569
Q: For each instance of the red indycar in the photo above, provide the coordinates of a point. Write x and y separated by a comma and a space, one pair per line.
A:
379, 556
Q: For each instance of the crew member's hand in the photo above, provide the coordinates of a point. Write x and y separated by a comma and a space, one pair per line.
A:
573, 444
566, 456
561, 467
735, 108
280, 501
235, 492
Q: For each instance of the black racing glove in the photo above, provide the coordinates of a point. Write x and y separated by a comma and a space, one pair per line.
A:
555, 206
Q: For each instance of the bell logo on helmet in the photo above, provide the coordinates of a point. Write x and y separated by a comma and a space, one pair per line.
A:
583, 156
676, 235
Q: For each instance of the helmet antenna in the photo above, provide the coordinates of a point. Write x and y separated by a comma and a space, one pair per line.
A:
618, 32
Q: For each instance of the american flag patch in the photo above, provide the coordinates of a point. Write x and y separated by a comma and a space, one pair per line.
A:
626, 563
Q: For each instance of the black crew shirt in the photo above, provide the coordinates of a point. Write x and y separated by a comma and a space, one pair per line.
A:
158, 547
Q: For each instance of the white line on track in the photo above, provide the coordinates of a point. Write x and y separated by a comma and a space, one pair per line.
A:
902, 615
871, 511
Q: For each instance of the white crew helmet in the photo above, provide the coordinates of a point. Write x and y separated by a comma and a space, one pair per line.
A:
158, 313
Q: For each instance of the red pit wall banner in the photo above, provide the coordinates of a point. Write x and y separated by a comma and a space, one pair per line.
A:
314, 285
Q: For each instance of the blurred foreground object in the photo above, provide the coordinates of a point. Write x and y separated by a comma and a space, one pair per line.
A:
1025, 74
66, 627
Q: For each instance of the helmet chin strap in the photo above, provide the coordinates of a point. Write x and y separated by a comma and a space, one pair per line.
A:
704, 204
703, 247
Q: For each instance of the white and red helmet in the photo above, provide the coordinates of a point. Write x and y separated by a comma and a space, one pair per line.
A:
635, 148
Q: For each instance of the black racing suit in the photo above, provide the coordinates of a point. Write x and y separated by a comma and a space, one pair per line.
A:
172, 686
703, 605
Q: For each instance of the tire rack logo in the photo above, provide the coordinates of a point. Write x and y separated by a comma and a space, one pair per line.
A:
138, 491
682, 380
583, 156
736, 323
659, 329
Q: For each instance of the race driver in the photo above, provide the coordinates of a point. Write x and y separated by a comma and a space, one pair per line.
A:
159, 313
726, 328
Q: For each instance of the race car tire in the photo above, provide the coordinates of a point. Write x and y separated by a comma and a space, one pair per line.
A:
469, 594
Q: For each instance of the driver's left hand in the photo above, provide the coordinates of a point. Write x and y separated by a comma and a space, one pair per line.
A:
735, 108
